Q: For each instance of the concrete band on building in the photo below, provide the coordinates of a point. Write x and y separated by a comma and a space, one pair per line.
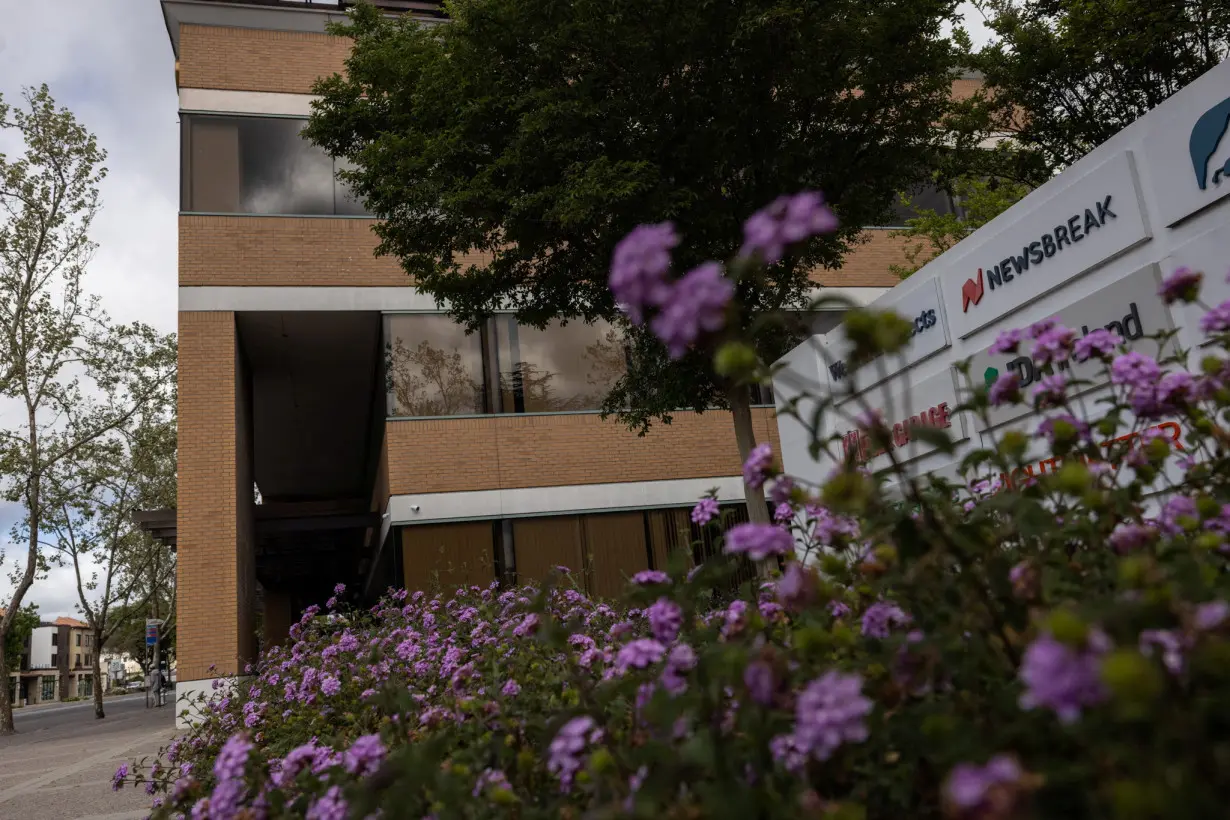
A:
388, 447
1088, 249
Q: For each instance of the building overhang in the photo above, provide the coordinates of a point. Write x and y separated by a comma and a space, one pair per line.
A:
280, 15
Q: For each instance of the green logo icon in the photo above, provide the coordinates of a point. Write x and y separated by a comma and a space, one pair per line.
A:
990, 375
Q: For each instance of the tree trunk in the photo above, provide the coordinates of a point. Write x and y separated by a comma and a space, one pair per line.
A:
740, 398
98, 681
6, 705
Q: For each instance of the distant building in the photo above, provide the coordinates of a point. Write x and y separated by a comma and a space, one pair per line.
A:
57, 663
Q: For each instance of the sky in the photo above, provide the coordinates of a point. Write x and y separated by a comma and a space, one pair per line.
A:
110, 62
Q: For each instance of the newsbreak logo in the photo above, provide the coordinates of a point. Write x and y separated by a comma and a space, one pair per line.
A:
971, 292
1206, 136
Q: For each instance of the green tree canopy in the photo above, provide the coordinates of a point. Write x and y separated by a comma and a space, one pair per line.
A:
15, 639
539, 134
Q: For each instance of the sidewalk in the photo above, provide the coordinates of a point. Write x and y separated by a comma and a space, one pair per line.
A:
59, 766
67, 704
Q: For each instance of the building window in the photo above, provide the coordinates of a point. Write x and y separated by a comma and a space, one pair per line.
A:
433, 368
85, 686
77, 660
557, 369
258, 165
930, 197
88, 658
55, 660
55, 638
49, 688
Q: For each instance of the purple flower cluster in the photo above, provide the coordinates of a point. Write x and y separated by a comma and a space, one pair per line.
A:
786, 221
1061, 678
705, 510
969, 787
881, 617
639, 268
831, 711
756, 468
758, 541
567, 750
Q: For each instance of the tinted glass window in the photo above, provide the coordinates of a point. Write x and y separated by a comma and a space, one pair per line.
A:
258, 165
432, 367
560, 368
928, 198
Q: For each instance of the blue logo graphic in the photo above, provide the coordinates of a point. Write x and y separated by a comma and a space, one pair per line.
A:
1206, 136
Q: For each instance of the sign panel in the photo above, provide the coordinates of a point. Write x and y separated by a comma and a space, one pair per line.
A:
921, 305
1129, 307
1086, 224
1188, 154
1208, 253
930, 403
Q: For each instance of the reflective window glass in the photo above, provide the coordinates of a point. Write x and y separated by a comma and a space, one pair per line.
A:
560, 368
432, 367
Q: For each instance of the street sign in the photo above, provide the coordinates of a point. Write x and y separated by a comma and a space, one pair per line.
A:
151, 633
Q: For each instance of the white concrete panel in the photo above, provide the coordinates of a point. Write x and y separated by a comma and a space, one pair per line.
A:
537, 501
245, 102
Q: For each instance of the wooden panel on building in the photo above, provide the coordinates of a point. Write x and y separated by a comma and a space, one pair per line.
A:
544, 543
615, 545
441, 556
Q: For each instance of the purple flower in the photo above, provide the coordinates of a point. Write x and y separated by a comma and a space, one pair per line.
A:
761, 682
1171, 644
651, 576
1006, 389
1054, 345
1131, 537
1060, 678
696, 303
510, 689
665, 619
829, 528
1216, 320
779, 493
1050, 390
1172, 393
797, 586
639, 266
232, 758
759, 460
639, 654
364, 755
838, 609
1176, 509
786, 751
565, 753
117, 779
705, 510
1099, 342
1007, 342
1181, 286
1136, 370
782, 513
758, 541
491, 779
330, 807
786, 221
1210, 615
968, 785
528, 626
330, 685
830, 711
881, 617
682, 658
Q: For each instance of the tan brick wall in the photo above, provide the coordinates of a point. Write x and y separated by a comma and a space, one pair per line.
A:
212, 599
239, 59
276, 251
282, 251
505, 452
867, 265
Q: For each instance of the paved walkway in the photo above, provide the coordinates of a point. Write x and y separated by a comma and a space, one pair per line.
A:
59, 764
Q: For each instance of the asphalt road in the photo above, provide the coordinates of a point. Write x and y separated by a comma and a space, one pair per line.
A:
72, 714
59, 764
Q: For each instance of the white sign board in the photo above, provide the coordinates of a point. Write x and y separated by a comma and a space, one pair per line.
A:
1088, 249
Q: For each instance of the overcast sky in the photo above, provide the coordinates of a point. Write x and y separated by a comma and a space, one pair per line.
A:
110, 62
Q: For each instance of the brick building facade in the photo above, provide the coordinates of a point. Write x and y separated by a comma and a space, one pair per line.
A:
386, 446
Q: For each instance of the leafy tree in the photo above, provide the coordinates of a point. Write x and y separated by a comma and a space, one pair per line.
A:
68, 376
1064, 76
15, 641
931, 233
539, 134
92, 530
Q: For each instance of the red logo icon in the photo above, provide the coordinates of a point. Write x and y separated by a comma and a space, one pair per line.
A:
971, 292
